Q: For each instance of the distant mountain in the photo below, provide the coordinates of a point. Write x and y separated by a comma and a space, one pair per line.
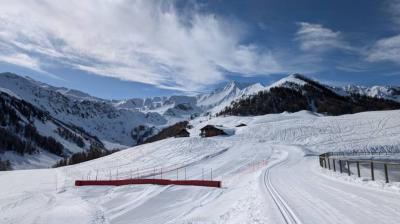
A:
222, 97
97, 116
180, 106
297, 92
30, 137
382, 92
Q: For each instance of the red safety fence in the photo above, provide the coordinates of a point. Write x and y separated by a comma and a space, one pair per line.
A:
204, 183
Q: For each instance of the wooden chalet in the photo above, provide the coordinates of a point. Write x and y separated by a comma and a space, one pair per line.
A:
212, 130
182, 133
241, 125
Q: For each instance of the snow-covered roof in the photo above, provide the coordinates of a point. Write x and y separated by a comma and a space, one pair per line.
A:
226, 130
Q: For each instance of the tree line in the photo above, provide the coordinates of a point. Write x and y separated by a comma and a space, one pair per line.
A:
19, 136
93, 153
5, 165
68, 135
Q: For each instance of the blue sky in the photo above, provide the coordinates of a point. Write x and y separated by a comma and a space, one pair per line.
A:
124, 49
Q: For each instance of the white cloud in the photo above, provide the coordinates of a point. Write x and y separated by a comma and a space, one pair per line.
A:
143, 41
25, 61
317, 38
22, 60
386, 49
393, 8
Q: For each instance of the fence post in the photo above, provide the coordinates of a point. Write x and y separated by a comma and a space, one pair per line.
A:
386, 173
329, 164
372, 171
340, 165
325, 162
348, 168
334, 165
358, 169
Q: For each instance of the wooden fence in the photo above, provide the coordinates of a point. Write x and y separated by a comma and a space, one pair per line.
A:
342, 162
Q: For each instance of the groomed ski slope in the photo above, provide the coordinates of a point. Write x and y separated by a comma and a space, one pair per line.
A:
289, 188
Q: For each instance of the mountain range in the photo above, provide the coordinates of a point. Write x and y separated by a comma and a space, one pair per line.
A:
38, 118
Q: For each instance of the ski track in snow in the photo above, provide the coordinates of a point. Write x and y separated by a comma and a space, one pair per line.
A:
289, 188
331, 201
286, 212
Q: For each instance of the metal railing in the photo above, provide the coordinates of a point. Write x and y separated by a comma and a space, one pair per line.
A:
380, 167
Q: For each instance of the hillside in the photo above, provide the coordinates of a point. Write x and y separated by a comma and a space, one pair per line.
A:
297, 93
30, 137
98, 117
248, 163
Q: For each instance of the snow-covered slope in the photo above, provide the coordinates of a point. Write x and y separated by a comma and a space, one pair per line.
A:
268, 155
288, 82
384, 92
96, 116
220, 98
31, 138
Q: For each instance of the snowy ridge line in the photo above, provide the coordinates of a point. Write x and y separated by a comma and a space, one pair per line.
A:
284, 209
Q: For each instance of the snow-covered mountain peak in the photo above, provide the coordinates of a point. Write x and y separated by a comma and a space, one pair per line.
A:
26, 86
289, 81
222, 97
383, 92
230, 85
226, 93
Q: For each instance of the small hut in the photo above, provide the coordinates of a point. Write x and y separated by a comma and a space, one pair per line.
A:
241, 125
214, 130
182, 133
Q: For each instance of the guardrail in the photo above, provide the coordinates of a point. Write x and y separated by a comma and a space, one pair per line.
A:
363, 154
343, 161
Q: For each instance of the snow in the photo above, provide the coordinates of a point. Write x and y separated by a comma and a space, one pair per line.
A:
9, 92
291, 79
42, 159
267, 171
382, 92
112, 145
220, 98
